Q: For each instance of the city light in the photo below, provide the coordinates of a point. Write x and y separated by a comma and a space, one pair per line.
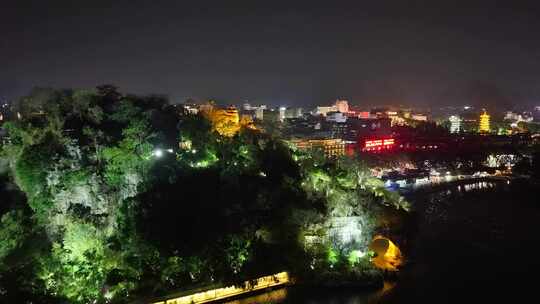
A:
484, 126
455, 124
363, 114
378, 144
158, 153
225, 292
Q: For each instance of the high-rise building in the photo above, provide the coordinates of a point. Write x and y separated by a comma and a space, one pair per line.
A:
406, 113
419, 117
336, 117
323, 110
536, 113
271, 115
334, 147
342, 106
259, 113
206, 108
282, 113
484, 126
293, 113
517, 117
256, 112
455, 124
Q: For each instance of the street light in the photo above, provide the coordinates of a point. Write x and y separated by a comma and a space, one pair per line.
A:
158, 153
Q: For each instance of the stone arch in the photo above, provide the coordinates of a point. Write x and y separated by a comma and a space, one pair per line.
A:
387, 254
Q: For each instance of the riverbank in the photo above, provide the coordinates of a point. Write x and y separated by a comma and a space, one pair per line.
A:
252, 288
207, 295
431, 188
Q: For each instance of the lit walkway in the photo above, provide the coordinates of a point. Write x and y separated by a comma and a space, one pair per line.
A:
212, 295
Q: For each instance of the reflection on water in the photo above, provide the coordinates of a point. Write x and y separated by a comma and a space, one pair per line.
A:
387, 287
477, 186
270, 297
300, 295
435, 205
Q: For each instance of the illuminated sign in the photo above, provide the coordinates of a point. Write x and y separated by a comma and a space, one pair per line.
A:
378, 144
363, 114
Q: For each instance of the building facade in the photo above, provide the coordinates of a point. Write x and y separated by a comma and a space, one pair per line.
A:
330, 147
455, 124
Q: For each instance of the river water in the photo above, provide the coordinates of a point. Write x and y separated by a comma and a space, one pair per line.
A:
475, 242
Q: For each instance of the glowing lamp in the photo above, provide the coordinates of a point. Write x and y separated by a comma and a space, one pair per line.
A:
158, 153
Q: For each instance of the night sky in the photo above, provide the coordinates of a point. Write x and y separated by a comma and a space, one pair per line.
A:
297, 53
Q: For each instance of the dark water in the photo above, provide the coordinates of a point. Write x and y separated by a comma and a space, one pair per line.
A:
316, 296
479, 243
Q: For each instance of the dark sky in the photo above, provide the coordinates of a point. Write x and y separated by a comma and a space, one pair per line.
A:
291, 53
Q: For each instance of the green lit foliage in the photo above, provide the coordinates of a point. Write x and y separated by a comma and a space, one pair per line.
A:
202, 148
332, 256
31, 169
347, 183
353, 201
237, 252
79, 267
13, 231
81, 238
77, 155
335, 266
354, 257
318, 182
79, 280
198, 144
173, 271
360, 259
131, 155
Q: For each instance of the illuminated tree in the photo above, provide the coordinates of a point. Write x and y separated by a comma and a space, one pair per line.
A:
237, 252
13, 231
225, 122
197, 142
78, 156
352, 198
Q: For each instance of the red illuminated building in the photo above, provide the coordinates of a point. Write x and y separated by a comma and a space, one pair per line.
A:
363, 114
